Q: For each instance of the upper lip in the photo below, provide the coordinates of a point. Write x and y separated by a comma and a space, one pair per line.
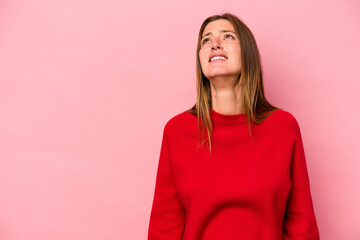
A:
217, 55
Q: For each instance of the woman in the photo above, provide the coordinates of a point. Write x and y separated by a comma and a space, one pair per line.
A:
250, 180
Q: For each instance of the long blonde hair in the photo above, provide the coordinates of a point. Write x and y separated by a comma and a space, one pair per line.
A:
254, 101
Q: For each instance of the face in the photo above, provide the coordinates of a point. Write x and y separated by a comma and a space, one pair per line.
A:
219, 38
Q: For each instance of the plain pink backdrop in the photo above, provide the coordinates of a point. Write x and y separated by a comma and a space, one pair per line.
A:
87, 86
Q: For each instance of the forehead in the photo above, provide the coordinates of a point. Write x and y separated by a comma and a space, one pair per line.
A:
220, 24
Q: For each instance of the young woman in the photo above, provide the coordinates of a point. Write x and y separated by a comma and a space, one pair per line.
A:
233, 166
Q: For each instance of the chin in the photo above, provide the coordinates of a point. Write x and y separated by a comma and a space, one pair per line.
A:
217, 74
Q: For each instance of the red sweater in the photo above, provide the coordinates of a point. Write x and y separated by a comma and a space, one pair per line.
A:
249, 190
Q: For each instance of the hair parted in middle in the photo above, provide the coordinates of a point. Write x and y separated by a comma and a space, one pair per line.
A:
256, 107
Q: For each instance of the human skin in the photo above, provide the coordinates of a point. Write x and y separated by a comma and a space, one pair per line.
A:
222, 74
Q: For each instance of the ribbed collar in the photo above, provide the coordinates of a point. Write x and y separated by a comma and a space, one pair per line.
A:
228, 119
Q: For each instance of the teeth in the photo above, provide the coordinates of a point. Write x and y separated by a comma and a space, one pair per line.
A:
217, 57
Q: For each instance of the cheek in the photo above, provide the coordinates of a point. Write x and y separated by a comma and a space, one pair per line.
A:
202, 58
238, 50
236, 54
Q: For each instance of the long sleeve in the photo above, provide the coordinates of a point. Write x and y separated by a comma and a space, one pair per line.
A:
167, 218
299, 221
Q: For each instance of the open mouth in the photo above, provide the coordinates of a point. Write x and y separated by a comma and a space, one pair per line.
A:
217, 58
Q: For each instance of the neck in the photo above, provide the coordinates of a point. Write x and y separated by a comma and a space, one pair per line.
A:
226, 96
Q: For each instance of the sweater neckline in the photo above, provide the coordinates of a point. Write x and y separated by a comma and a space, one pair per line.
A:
228, 119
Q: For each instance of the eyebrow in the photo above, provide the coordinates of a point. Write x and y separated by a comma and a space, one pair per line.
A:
219, 31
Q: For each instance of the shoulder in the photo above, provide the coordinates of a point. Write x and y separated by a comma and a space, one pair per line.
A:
284, 117
179, 120
177, 124
284, 121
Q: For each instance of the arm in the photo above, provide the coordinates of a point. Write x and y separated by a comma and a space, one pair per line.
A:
299, 220
167, 219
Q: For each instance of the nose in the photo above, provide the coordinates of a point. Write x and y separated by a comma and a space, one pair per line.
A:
216, 44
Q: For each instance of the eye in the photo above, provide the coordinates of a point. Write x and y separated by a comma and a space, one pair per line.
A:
227, 35
204, 41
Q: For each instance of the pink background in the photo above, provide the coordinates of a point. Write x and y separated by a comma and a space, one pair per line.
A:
87, 86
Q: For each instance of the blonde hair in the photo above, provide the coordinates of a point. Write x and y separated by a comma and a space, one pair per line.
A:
254, 101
